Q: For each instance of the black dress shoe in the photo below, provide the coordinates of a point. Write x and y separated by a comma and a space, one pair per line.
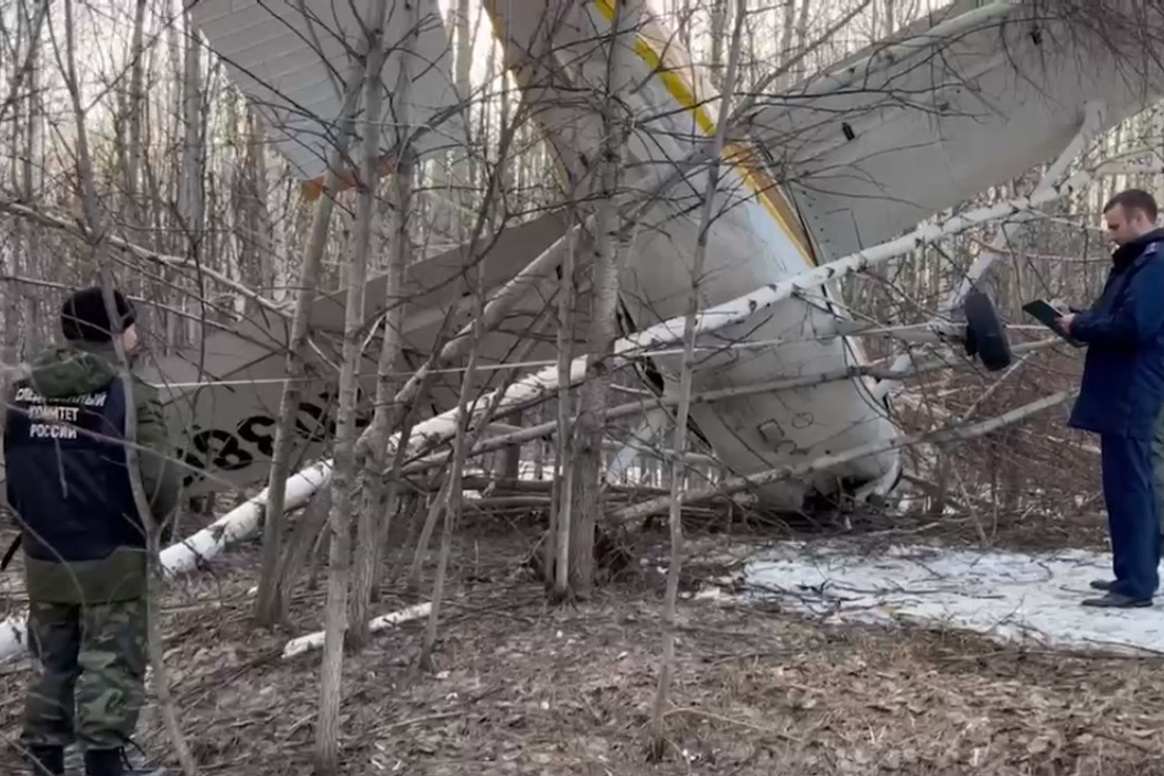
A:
1117, 601
1101, 584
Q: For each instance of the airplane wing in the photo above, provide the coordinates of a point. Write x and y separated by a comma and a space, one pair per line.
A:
290, 58
223, 396
961, 100
287, 55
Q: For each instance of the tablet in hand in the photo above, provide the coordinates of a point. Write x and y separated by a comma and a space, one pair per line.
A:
1047, 315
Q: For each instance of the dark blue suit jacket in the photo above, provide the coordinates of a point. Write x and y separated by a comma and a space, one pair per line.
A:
1123, 374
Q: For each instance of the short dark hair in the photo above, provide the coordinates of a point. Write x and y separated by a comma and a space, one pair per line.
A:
1134, 199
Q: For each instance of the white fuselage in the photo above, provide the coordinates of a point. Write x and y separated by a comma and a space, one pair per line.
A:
754, 239
966, 98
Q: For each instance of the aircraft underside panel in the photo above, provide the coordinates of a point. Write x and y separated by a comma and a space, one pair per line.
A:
291, 57
872, 151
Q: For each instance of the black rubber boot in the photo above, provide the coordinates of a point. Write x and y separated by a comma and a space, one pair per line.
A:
46, 760
104, 762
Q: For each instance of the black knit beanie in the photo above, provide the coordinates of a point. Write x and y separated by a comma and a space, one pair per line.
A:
84, 317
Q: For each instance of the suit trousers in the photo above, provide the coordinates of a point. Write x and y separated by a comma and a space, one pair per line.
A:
1132, 514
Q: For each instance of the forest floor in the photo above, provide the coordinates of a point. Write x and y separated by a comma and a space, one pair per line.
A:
524, 687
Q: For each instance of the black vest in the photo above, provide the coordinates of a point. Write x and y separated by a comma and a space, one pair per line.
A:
67, 478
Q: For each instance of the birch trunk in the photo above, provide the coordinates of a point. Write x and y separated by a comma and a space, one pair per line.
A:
8, 351
191, 194
787, 36
679, 443
684, 13
133, 151
888, 18
802, 44
343, 474
30, 178
718, 20
453, 493
464, 169
257, 256
603, 329
563, 483
270, 601
372, 448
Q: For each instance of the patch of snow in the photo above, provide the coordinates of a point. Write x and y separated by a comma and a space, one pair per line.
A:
1007, 596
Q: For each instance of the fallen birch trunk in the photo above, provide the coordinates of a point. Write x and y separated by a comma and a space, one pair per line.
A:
628, 409
441, 427
298, 646
736, 484
241, 522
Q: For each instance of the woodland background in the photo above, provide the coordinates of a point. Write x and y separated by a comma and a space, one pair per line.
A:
158, 149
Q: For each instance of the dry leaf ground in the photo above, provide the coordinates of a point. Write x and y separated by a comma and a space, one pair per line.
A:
524, 688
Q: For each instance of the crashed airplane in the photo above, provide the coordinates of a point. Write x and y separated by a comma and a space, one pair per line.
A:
825, 169
821, 178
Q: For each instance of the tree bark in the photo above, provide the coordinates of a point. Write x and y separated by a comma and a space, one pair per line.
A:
191, 199
270, 603
603, 330
375, 513
558, 574
133, 151
679, 444
344, 453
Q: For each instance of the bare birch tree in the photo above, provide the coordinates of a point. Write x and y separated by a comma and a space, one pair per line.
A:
269, 604
344, 453
379, 502
710, 199
603, 307
562, 494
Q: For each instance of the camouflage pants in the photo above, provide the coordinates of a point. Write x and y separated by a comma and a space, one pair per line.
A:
91, 685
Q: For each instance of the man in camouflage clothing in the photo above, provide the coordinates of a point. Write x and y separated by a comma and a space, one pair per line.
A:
85, 563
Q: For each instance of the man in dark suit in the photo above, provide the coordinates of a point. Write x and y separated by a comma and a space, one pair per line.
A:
1122, 393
